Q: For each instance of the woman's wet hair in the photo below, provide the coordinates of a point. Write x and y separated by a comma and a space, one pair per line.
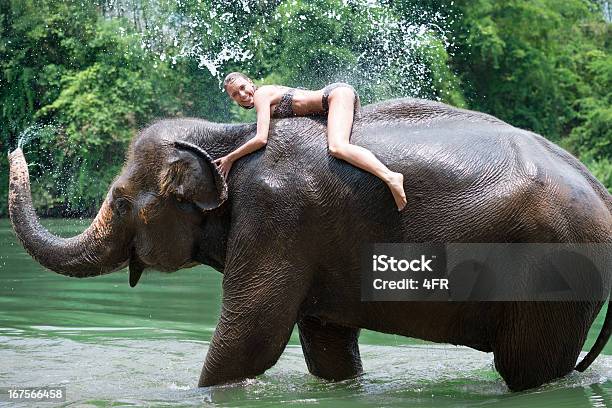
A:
232, 76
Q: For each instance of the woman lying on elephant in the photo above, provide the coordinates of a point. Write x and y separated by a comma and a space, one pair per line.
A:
338, 100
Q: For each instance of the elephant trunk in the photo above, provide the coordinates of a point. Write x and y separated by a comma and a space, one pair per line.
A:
102, 248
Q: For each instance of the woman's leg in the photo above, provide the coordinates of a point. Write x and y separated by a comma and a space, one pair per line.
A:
339, 124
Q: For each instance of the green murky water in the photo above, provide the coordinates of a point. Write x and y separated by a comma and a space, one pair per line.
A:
109, 344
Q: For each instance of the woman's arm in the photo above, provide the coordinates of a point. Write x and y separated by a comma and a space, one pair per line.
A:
263, 124
262, 101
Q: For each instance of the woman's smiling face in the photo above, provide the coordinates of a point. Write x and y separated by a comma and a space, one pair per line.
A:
242, 91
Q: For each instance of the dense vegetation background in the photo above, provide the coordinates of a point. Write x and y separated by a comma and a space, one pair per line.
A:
88, 75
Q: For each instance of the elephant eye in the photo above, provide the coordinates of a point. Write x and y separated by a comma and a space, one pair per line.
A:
184, 205
121, 206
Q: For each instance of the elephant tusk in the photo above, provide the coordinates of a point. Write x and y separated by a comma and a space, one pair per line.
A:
136, 268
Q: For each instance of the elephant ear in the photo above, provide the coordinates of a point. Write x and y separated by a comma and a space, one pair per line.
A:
191, 176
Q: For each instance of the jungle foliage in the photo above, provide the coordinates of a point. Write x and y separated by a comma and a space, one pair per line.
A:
89, 75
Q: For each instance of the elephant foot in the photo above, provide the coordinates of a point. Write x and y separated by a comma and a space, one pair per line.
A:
529, 350
331, 351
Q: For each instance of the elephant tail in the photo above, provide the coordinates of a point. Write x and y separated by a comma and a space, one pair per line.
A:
600, 343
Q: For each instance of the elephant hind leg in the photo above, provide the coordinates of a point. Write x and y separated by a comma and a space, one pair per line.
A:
331, 351
539, 341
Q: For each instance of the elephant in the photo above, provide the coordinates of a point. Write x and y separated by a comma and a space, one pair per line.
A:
285, 230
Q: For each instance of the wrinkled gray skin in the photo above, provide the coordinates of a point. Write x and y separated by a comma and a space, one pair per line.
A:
287, 229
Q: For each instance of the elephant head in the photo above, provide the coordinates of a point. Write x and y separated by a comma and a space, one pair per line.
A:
150, 218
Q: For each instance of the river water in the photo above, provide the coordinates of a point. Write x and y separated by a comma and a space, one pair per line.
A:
109, 344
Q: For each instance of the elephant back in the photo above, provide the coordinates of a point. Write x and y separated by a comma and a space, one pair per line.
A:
468, 177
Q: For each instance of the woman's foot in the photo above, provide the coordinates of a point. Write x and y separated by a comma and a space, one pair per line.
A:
396, 185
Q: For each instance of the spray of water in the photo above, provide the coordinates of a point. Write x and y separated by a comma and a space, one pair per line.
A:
33, 132
364, 42
54, 180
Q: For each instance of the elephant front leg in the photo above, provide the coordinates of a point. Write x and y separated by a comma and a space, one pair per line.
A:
259, 311
331, 351
235, 356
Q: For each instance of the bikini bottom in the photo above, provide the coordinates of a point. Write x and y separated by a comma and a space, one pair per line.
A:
327, 90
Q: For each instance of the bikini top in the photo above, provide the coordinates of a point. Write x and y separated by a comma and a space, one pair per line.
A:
284, 107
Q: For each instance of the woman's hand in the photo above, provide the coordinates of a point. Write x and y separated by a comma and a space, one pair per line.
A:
225, 164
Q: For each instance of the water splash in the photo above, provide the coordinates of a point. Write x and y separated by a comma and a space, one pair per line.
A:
35, 131
55, 178
380, 50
